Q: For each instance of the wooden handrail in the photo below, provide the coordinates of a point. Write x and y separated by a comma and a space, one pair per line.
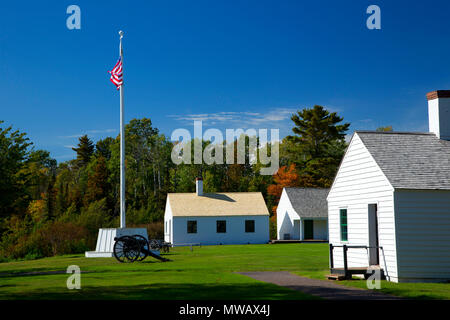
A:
345, 249
355, 247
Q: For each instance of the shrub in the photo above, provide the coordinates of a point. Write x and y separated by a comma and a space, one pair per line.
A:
70, 215
137, 216
53, 238
155, 230
17, 229
58, 238
94, 217
273, 227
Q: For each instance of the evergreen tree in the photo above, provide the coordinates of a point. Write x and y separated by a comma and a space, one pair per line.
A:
50, 199
321, 140
315, 129
103, 147
97, 186
84, 151
14, 181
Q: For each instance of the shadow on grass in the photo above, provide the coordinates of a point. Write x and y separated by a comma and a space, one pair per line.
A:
159, 291
36, 273
26, 272
405, 290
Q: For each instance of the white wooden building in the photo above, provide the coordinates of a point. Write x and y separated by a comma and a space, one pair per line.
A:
216, 218
302, 214
392, 190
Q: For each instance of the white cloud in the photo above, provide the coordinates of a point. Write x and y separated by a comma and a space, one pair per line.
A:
275, 118
88, 132
71, 136
101, 131
242, 119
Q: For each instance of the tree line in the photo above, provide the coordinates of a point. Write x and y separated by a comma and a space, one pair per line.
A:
49, 208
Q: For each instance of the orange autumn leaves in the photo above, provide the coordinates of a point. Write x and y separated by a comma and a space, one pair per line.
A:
285, 177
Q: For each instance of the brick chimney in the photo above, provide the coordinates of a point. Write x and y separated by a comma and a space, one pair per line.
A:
199, 186
439, 113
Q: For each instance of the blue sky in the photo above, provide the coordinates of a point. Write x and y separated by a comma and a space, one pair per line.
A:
230, 63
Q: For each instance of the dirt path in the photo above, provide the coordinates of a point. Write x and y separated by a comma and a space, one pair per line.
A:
322, 288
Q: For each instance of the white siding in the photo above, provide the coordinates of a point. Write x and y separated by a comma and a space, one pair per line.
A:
423, 234
320, 229
288, 221
285, 218
207, 235
358, 183
168, 225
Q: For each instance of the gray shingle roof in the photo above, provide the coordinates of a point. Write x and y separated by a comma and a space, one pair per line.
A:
309, 202
410, 160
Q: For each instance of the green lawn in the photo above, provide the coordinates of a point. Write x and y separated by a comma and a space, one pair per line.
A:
409, 290
205, 273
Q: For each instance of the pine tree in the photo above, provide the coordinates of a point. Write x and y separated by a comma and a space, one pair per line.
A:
97, 186
84, 151
321, 139
15, 182
316, 128
103, 147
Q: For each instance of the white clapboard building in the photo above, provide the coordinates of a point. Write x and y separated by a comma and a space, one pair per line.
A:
216, 218
302, 214
391, 197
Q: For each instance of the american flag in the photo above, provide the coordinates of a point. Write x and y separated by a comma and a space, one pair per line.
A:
117, 74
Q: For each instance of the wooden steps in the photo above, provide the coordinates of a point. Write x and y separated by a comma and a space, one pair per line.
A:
336, 277
342, 274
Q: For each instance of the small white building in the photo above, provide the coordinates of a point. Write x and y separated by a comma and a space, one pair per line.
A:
216, 218
302, 214
392, 194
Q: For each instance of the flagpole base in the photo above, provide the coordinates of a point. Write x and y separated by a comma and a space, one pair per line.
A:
105, 240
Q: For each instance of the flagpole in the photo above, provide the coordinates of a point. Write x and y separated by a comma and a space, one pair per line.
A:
122, 147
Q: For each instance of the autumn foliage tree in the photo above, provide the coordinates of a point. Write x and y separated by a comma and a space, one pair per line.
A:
285, 177
49, 208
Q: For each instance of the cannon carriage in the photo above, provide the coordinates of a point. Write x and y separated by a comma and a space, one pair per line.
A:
137, 248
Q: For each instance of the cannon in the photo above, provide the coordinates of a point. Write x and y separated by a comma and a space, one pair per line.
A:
136, 248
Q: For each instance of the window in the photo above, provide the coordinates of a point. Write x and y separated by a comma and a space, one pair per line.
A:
249, 225
221, 226
192, 226
344, 227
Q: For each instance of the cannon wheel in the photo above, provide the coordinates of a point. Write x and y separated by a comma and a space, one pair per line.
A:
144, 247
165, 247
154, 244
126, 249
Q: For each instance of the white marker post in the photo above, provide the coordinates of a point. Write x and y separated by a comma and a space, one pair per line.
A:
122, 146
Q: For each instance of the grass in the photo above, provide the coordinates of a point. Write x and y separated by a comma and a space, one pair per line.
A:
207, 273
408, 290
